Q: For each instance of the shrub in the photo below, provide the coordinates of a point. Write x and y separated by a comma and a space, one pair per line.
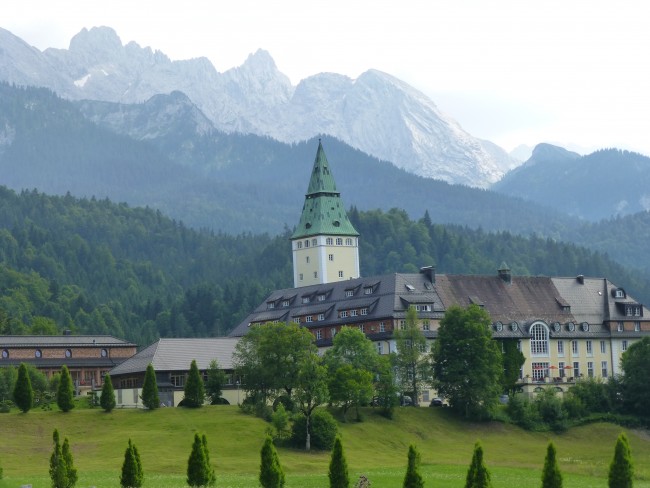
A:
323, 430
523, 412
550, 409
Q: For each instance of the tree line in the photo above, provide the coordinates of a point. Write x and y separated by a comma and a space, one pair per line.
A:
95, 267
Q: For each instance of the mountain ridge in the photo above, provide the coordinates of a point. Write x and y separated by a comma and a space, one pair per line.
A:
256, 98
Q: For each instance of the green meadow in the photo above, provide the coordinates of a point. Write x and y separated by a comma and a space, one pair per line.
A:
376, 447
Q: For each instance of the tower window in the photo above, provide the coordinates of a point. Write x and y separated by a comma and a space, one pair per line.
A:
314, 242
339, 241
348, 242
330, 257
299, 245
329, 241
340, 274
300, 276
306, 242
315, 274
307, 259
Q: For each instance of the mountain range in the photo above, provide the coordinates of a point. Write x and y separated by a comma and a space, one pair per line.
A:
375, 113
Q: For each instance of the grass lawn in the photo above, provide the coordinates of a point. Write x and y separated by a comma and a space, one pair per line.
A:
376, 447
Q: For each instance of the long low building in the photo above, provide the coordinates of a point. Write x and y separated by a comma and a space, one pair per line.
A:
171, 360
88, 357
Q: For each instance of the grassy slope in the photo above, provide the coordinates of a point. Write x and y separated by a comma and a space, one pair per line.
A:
377, 447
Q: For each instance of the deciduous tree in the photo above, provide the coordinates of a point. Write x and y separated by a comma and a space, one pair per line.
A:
413, 479
107, 398
467, 363
23, 393
311, 389
413, 366
194, 387
271, 473
636, 367
65, 391
621, 470
149, 395
338, 470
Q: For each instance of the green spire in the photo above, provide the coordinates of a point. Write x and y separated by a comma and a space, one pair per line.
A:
323, 211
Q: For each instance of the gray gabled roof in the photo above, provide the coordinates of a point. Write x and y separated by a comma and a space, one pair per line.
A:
177, 355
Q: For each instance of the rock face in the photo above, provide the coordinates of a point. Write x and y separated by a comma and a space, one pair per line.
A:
376, 113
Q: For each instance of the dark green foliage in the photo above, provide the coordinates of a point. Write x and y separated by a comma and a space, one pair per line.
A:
412, 366
513, 360
132, 475
467, 363
215, 382
523, 412
69, 463
150, 397
280, 421
621, 470
551, 476
635, 384
199, 471
338, 470
385, 388
271, 473
595, 394
413, 479
23, 393
194, 388
107, 398
65, 391
323, 430
63, 474
478, 475
212, 476
551, 409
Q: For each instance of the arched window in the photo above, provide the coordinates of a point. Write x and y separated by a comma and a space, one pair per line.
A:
339, 241
539, 340
329, 241
314, 242
299, 245
348, 242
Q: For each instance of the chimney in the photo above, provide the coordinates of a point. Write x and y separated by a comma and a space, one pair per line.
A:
581, 279
429, 272
504, 273
67, 332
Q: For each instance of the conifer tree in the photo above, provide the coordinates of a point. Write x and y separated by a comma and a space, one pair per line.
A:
551, 476
65, 391
132, 476
58, 467
413, 479
107, 398
271, 474
23, 393
150, 389
338, 472
213, 478
621, 470
69, 464
194, 388
478, 475
198, 469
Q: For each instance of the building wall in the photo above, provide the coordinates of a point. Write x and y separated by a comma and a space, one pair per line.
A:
315, 258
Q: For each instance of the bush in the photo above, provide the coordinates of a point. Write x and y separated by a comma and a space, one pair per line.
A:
323, 430
5, 406
523, 412
551, 410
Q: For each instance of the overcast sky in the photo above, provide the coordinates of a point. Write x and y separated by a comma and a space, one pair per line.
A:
570, 72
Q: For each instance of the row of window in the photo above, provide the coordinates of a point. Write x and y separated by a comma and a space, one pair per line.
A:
38, 353
540, 332
329, 241
542, 370
620, 327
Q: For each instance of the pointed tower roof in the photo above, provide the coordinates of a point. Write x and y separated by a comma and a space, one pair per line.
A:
323, 211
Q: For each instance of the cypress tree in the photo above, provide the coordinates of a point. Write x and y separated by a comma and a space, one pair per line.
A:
621, 470
213, 477
413, 478
198, 472
132, 476
107, 398
478, 475
150, 389
194, 388
551, 476
23, 393
271, 474
58, 468
69, 464
338, 472
65, 391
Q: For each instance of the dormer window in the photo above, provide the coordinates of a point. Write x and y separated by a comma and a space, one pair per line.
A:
423, 308
285, 303
305, 300
619, 293
308, 318
321, 298
270, 305
367, 290
349, 293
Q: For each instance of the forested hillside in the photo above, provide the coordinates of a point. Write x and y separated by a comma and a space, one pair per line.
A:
94, 266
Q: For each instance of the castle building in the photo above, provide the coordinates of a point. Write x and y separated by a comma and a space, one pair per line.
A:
566, 327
